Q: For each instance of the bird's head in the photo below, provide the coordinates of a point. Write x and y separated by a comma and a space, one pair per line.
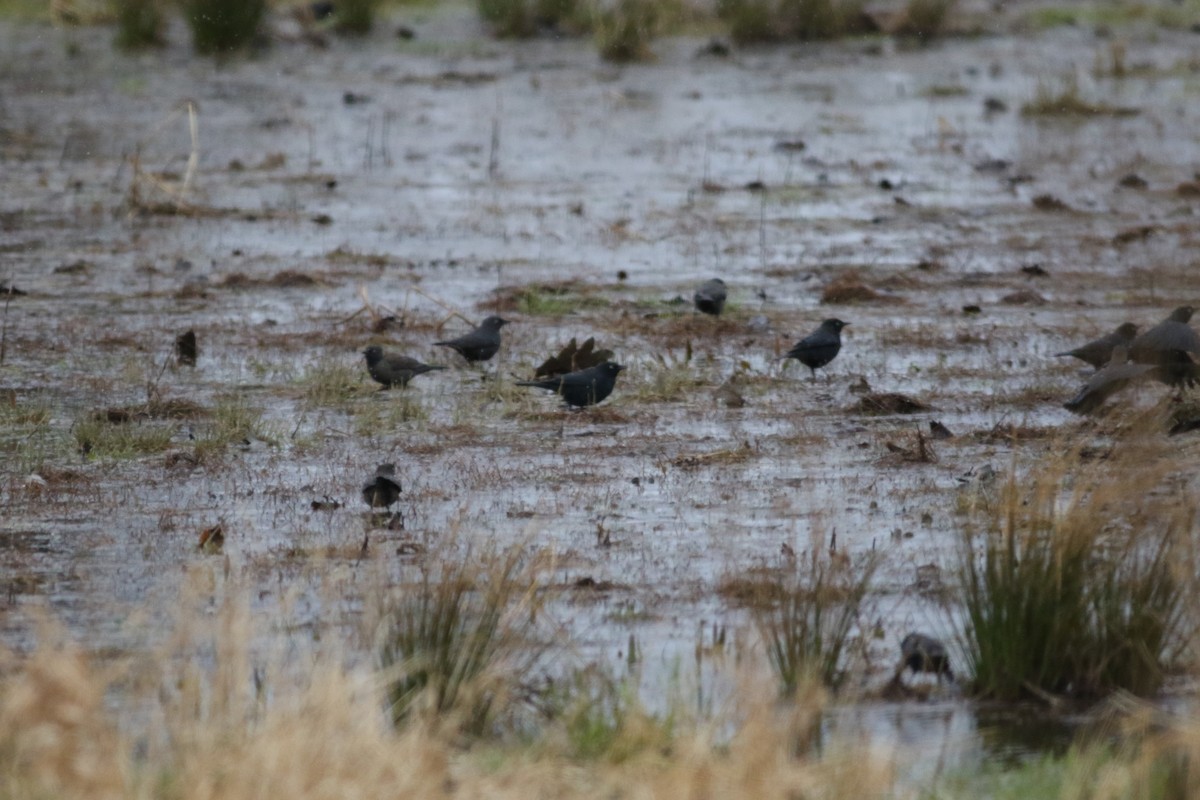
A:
493, 323
834, 324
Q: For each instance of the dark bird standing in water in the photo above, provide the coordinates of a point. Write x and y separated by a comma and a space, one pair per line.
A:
583, 388
394, 370
710, 297
921, 653
383, 490
1171, 345
819, 347
480, 344
1098, 352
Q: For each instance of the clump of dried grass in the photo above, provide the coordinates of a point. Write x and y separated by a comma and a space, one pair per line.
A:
221, 719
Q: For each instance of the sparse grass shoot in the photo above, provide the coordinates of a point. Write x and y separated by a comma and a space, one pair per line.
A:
805, 614
444, 636
1066, 100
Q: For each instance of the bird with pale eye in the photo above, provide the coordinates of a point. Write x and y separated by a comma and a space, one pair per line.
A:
480, 344
583, 388
819, 347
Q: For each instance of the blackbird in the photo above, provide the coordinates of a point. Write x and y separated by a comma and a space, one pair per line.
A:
1171, 345
383, 490
583, 388
1098, 352
921, 653
819, 347
480, 344
394, 370
710, 297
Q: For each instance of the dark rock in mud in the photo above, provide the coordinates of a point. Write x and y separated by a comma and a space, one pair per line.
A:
383, 490
1023, 297
1048, 202
710, 297
888, 403
185, 349
921, 653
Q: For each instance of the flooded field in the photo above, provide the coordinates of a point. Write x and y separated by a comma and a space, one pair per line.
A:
293, 208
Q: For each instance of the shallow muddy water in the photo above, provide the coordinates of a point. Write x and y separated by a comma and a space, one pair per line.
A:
467, 166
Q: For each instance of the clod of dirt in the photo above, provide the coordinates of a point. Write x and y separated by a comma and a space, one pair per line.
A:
791, 145
1135, 234
1034, 270
572, 358
1048, 202
325, 504
79, 267
994, 105
1023, 297
847, 290
285, 279
715, 48
1133, 181
1188, 189
922, 453
1007, 432
11, 291
591, 584
888, 403
158, 409
727, 395
971, 308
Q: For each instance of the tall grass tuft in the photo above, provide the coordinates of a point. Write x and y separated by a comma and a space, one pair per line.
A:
774, 20
524, 18
1079, 590
450, 642
805, 617
925, 19
140, 23
356, 17
624, 32
222, 26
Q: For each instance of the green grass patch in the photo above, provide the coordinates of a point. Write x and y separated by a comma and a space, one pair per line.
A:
334, 383
98, 438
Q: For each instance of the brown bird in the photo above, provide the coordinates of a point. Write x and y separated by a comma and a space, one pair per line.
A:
1104, 383
1098, 352
1172, 345
391, 370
